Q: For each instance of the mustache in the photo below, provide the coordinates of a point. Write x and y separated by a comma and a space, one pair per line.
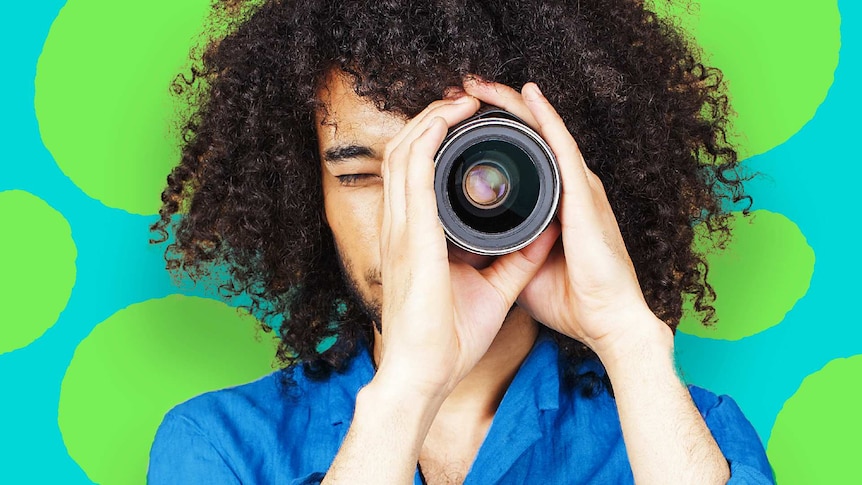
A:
373, 275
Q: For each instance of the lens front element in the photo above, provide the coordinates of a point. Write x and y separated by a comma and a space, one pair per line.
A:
486, 185
493, 186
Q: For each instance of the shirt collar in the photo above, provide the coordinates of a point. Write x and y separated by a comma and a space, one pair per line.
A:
539, 374
537, 380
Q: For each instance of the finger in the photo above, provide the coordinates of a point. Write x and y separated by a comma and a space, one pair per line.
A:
451, 113
397, 158
453, 110
501, 96
577, 190
420, 199
510, 273
393, 190
385, 230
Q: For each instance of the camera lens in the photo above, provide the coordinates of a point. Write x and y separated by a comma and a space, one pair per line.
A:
496, 182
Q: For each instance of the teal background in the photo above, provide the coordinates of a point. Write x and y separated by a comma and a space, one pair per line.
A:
813, 180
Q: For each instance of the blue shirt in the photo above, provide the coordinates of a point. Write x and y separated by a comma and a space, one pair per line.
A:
262, 433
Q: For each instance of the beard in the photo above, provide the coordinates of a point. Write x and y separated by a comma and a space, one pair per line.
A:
370, 307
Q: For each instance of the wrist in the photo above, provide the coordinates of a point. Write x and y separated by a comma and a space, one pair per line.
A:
645, 336
389, 424
414, 378
403, 398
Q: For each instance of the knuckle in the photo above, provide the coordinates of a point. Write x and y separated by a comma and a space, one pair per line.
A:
389, 149
438, 103
417, 147
595, 180
571, 146
431, 108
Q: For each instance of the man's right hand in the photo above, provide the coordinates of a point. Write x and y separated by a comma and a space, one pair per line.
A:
440, 314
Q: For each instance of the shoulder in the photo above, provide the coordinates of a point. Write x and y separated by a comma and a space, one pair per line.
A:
284, 399
206, 436
263, 395
271, 430
225, 416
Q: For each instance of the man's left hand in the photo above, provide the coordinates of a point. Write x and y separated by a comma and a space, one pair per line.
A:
587, 289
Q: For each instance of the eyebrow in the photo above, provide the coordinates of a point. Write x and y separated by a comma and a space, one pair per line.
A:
345, 152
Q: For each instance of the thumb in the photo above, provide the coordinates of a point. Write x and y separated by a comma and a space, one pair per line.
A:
509, 274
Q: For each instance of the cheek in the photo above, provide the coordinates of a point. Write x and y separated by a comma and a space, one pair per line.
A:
355, 218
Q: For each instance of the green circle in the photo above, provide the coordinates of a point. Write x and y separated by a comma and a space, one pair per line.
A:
815, 438
37, 254
138, 364
779, 60
103, 96
764, 270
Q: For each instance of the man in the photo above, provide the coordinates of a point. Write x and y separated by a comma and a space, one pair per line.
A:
308, 172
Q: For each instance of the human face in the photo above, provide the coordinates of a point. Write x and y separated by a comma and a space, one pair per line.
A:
352, 135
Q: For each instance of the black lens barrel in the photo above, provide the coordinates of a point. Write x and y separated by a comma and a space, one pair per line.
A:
496, 138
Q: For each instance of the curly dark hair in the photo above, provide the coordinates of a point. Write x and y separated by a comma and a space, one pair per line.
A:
650, 117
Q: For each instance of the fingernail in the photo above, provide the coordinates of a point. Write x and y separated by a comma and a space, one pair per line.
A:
537, 93
463, 99
538, 90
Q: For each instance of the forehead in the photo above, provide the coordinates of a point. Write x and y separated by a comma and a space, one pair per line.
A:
347, 117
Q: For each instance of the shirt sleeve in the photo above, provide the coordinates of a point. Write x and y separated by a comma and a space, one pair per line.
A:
313, 479
736, 438
182, 454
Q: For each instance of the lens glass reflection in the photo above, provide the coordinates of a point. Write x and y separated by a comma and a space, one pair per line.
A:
493, 186
486, 185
